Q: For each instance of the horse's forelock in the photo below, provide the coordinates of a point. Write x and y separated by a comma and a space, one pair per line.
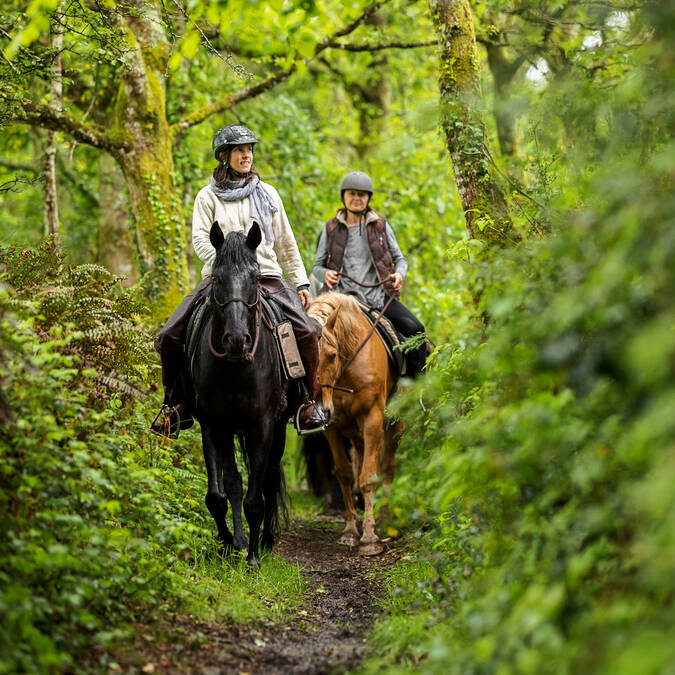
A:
235, 254
350, 323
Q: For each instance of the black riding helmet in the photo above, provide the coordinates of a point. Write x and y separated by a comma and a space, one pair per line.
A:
227, 137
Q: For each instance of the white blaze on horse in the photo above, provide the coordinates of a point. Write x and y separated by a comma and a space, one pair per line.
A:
358, 378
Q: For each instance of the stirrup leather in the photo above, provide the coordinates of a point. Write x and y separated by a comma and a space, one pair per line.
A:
314, 430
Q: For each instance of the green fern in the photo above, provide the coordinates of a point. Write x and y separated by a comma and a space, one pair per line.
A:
98, 319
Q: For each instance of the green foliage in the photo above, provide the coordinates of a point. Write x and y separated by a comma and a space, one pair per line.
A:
544, 477
100, 524
98, 321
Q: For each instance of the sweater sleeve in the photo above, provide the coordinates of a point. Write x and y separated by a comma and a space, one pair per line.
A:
400, 263
285, 245
202, 220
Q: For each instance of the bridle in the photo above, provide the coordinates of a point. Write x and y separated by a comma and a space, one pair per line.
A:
337, 377
346, 364
246, 358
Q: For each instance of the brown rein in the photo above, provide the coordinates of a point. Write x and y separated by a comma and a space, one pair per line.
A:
247, 358
346, 364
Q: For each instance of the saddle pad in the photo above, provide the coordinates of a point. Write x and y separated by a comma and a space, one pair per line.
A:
389, 336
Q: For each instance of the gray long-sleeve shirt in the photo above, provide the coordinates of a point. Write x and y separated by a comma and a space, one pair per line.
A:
358, 262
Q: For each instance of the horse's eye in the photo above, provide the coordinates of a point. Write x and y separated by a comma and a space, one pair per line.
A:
331, 357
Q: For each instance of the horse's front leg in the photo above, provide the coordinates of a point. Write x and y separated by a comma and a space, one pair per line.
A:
273, 489
235, 493
345, 475
258, 444
368, 480
213, 444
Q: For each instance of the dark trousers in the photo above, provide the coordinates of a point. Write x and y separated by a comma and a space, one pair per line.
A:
171, 339
407, 324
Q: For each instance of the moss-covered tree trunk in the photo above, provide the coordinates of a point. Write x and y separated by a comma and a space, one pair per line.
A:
483, 202
147, 162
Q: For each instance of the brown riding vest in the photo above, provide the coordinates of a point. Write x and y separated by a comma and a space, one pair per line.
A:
336, 242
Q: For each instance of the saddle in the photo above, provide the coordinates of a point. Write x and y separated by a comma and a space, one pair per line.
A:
390, 336
273, 317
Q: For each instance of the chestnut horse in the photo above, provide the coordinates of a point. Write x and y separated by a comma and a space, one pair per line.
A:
358, 378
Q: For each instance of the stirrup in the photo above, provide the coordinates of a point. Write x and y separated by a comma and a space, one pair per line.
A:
314, 430
164, 428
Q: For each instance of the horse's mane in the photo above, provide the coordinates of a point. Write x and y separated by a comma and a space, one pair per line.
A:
235, 253
350, 322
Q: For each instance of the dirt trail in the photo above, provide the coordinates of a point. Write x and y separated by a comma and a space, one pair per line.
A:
328, 633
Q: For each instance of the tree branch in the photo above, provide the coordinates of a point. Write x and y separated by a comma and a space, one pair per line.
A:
380, 47
237, 68
351, 27
203, 113
12, 185
46, 117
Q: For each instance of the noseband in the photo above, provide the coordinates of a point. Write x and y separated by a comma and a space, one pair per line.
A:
247, 358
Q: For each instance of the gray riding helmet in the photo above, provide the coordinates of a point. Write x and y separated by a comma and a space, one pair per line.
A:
357, 180
228, 137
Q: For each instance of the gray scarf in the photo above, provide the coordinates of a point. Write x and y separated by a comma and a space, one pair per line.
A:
262, 205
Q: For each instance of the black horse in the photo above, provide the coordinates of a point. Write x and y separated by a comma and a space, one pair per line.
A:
239, 391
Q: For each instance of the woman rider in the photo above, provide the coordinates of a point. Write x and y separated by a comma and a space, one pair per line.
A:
359, 242
235, 198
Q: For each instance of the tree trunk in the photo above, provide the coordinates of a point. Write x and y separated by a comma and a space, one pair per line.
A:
503, 72
147, 164
51, 205
484, 206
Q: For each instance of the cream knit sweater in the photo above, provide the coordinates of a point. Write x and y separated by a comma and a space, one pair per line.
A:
280, 256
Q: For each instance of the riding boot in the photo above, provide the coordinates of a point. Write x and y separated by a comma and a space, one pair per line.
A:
311, 417
416, 360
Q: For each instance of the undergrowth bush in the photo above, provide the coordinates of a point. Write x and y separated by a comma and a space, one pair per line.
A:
101, 524
544, 479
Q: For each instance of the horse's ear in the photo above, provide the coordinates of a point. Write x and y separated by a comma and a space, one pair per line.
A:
216, 235
254, 236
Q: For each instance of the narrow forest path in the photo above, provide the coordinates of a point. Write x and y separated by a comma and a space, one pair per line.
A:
326, 635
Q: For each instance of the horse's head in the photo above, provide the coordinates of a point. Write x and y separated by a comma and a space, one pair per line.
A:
235, 293
329, 361
340, 337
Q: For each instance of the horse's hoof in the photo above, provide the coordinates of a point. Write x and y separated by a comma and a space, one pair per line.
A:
349, 539
374, 548
252, 564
